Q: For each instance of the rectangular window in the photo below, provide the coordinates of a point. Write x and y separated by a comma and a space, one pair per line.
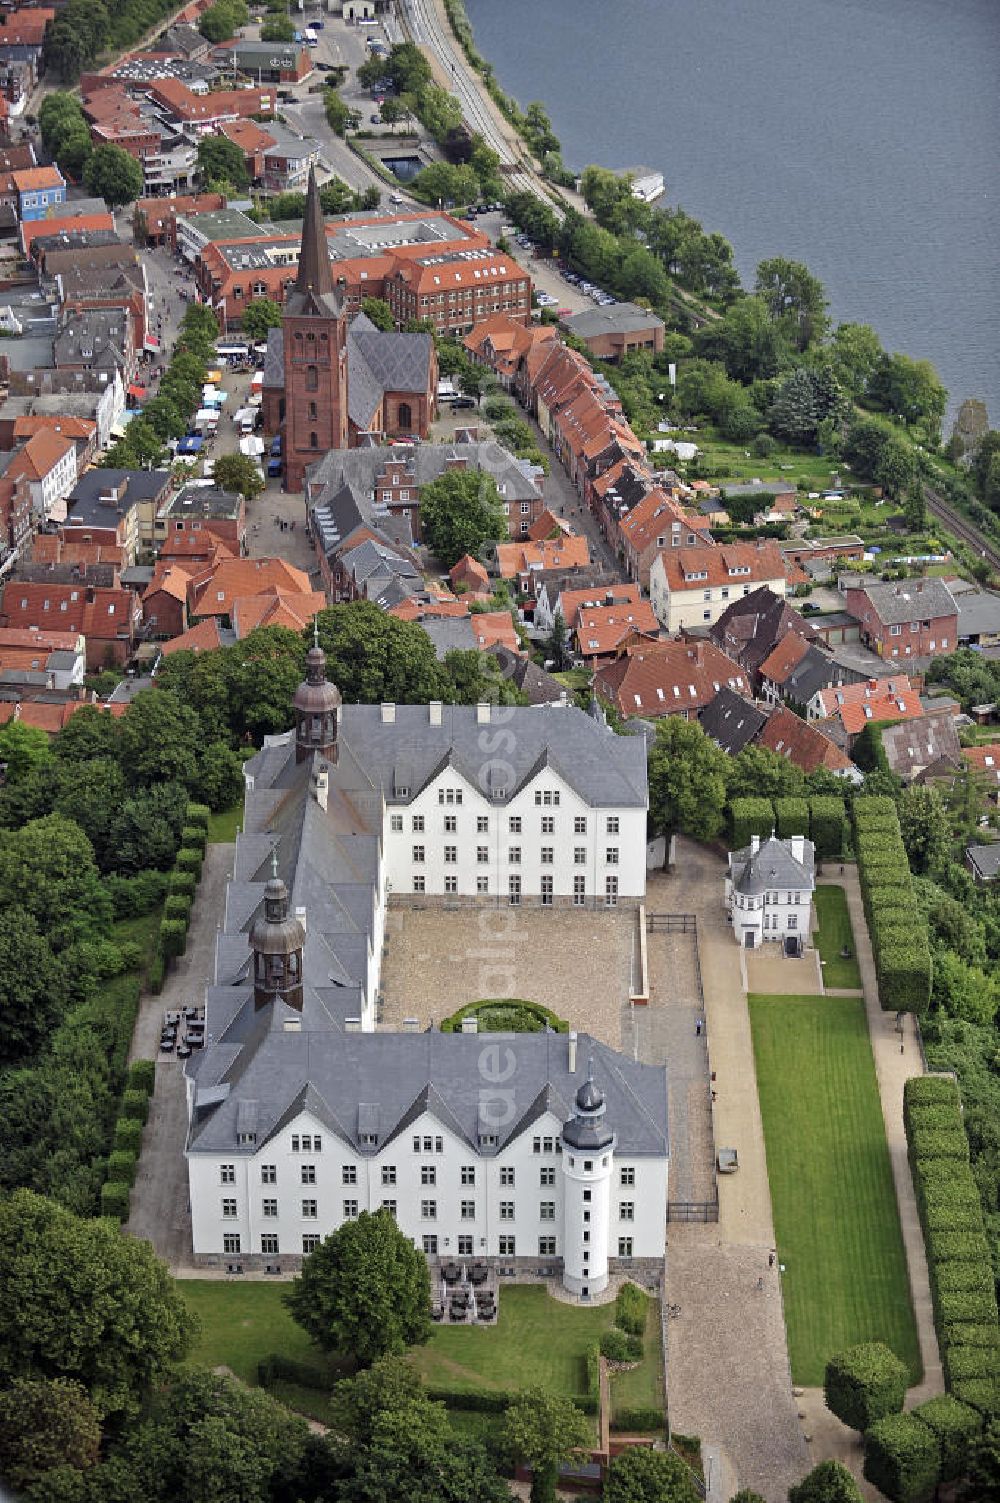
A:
309, 1210
536, 1145
548, 855
514, 891
514, 855
231, 1242
388, 1174
482, 884
450, 854
428, 1174
428, 1210
611, 855
626, 1210
508, 1246
350, 1210
546, 1247
580, 824
349, 1174
308, 1174
482, 854
310, 1242
624, 1247
793, 921
468, 1174
579, 891
580, 855
451, 884
468, 1210
514, 824
390, 1206
611, 824
227, 1174
627, 1176
548, 825
396, 822
547, 892
465, 1247
450, 824
611, 892
418, 853
547, 1210
268, 1174
417, 824
430, 1245
507, 1175
295, 1142
506, 1210
546, 1145
482, 824
420, 884
229, 1209
268, 1242
546, 1175
269, 1207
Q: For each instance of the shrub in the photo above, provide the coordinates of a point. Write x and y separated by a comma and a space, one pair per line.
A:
173, 937
869, 808
157, 973
934, 1116
965, 1333
182, 884
620, 1346
178, 906
641, 1421
115, 1198
939, 1144
631, 1309
749, 817
135, 1104
827, 824
121, 1166
956, 1278
902, 1458
981, 1394
291, 1370
925, 1089
188, 860
791, 817
592, 1357
196, 814
131, 897
864, 1384
506, 1015
142, 1076
966, 1305
128, 1134
194, 838
954, 1426
969, 1362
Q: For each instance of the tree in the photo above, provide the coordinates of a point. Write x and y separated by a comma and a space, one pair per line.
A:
915, 507
925, 828
544, 1429
378, 311
47, 867
557, 646
830, 1482
459, 512
45, 1424
984, 1472
223, 20
390, 1383
265, 670
338, 114
160, 740
804, 401
687, 780
795, 299
474, 677
83, 1302
145, 831
261, 314
881, 455
112, 174
758, 772
32, 986
393, 111
23, 749
910, 390
986, 469
865, 1383
443, 183
747, 340
365, 1291
277, 29
238, 473
220, 777
412, 1452
165, 417
854, 353
219, 160
140, 449
902, 1459
639, 1475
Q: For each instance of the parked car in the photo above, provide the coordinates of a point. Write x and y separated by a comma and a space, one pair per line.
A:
464, 402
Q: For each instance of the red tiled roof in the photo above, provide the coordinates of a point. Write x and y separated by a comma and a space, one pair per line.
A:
493, 627
784, 658
875, 699
600, 629
236, 578
469, 571
804, 745
556, 553
985, 759
762, 563
202, 637
668, 678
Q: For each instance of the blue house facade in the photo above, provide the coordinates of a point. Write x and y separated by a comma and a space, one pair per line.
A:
43, 191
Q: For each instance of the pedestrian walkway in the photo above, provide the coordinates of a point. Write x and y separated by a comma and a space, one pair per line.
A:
160, 1212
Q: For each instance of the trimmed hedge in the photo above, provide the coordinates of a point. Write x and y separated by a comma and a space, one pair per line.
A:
619, 1346
962, 1278
749, 817
506, 1015
157, 973
173, 937
902, 1459
966, 1305
631, 1309
955, 1427
981, 1394
962, 1362
928, 1090
128, 1134
188, 860
966, 1333
181, 884
178, 906
827, 826
197, 814
968, 1246
115, 1200
898, 934
791, 817
641, 1421
939, 1143
864, 1383
122, 1166
194, 838
592, 1358
135, 1104
142, 1076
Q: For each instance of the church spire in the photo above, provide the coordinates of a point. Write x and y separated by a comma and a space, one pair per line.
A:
315, 275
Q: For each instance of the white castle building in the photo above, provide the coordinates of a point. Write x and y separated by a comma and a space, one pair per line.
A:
769, 892
540, 1152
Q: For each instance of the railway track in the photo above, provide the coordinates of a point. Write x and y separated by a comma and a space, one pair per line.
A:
962, 527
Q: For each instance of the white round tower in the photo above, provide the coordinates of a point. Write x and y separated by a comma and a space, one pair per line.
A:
587, 1164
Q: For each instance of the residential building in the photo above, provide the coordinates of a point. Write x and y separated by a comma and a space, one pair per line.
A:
693, 586
617, 330
232, 579
540, 687
39, 191
923, 748
915, 618
978, 618
288, 159
983, 862
797, 671
602, 632
561, 592
155, 219
769, 892
656, 522
59, 655
804, 745
469, 575
109, 619
753, 626
732, 721
117, 508
191, 522
519, 561
502, 342
667, 678
853, 706
48, 462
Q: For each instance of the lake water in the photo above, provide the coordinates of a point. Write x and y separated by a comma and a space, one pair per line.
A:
859, 136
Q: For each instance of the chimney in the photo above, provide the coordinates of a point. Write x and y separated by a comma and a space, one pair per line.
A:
434, 712
388, 714
300, 914
798, 844
572, 1051
483, 713
321, 786
470, 1024
563, 699
754, 844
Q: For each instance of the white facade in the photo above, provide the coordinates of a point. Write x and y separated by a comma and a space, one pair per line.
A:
768, 898
701, 602
48, 495
544, 843
451, 1199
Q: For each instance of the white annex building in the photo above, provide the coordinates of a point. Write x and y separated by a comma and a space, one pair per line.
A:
539, 1152
769, 892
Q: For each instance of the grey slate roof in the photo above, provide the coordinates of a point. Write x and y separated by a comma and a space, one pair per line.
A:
450, 634
93, 337
817, 670
912, 745
732, 721
978, 613
910, 600
985, 860
771, 868
86, 509
379, 361
617, 318
541, 688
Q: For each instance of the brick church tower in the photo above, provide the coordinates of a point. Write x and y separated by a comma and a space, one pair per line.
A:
315, 349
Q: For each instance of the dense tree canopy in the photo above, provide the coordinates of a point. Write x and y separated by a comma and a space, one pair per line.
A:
219, 160
238, 473
639, 1475
259, 315
830, 1482
687, 780
795, 300
46, 1423
114, 175
544, 1429
459, 512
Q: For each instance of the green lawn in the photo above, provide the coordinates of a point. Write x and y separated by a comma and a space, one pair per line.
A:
537, 1340
222, 826
833, 935
243, 1323
142, 931
835, 1214
642, 1387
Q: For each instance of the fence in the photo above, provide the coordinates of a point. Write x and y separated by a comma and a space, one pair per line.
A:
694, 1210
672, 923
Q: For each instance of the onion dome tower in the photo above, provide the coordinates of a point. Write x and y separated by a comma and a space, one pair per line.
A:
587, 1166
317, 706
277, 940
